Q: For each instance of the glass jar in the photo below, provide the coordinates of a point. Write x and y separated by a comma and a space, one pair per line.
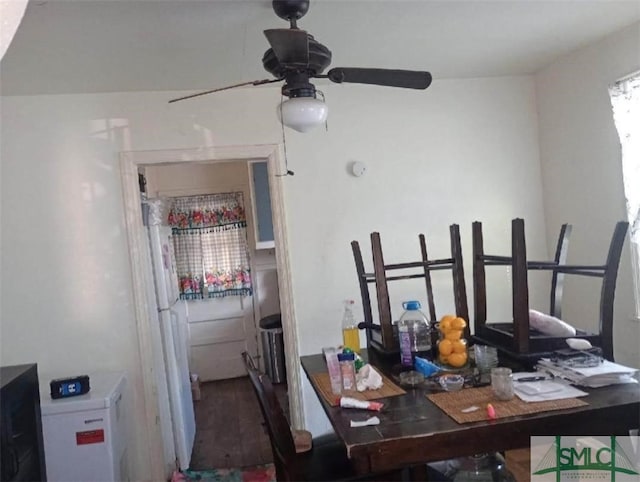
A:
452, 346
483, 468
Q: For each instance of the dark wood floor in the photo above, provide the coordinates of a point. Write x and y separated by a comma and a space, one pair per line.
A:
230, 430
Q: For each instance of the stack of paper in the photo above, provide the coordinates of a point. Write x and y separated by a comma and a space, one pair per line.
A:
542, 388
606, 373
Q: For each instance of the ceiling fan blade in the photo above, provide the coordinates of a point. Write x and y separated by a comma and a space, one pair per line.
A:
409, 79
253, 82
290, 45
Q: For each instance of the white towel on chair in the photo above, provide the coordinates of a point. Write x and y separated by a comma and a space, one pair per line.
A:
550, 325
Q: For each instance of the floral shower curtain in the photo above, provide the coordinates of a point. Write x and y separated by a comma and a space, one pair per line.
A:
210, 237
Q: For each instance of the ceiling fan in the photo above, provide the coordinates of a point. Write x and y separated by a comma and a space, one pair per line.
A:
295, 57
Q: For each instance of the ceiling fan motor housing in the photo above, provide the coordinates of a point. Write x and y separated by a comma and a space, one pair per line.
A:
298, 85
319, 59
290, 9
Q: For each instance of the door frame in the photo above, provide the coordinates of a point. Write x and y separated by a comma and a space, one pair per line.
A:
130, 161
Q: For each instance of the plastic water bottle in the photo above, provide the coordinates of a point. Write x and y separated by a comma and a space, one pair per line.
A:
414, 333
350, 331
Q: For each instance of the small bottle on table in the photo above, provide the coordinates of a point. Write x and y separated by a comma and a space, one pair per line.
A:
350, 331
347, 370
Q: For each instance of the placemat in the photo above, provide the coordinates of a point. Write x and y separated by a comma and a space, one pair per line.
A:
452, 402
323, 383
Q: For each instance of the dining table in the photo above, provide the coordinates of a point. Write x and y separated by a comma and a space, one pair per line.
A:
414, 430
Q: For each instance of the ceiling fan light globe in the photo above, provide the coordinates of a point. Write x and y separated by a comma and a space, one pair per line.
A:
302, 114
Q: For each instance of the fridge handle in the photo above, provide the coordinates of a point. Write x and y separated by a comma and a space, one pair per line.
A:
174, 335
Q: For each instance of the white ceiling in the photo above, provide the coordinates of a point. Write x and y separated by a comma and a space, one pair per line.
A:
81, 46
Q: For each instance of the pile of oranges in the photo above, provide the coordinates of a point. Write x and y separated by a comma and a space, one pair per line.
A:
452, 347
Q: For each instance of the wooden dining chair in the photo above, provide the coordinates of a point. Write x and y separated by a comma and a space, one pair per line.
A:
380, 335
326, 460
515, 338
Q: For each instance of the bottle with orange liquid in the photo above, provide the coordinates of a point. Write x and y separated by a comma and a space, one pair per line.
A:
350, 331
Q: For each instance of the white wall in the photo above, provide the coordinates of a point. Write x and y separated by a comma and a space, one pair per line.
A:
463, 150
582, 174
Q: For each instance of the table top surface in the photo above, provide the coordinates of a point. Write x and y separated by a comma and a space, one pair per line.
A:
412, 429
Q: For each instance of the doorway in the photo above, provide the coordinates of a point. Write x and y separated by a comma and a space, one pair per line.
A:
214, 261
130, 164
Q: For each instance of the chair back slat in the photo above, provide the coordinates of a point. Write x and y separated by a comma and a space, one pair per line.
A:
459, 286
479, 279
557, 279
427, 278
609, 287
520, 287
364, 288
382, 292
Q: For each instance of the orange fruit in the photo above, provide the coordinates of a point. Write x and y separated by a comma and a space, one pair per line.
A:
457, 360
453, 335
444, 359
459, 346
445, 347
458, 324
445, 325
447, 317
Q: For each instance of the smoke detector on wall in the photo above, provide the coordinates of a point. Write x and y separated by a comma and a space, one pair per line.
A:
358, 168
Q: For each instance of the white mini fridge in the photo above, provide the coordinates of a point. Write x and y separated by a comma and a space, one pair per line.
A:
84, 436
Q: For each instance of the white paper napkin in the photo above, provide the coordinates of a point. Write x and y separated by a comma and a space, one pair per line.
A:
368, 378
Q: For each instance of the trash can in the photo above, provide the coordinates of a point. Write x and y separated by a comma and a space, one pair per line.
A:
273, 348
